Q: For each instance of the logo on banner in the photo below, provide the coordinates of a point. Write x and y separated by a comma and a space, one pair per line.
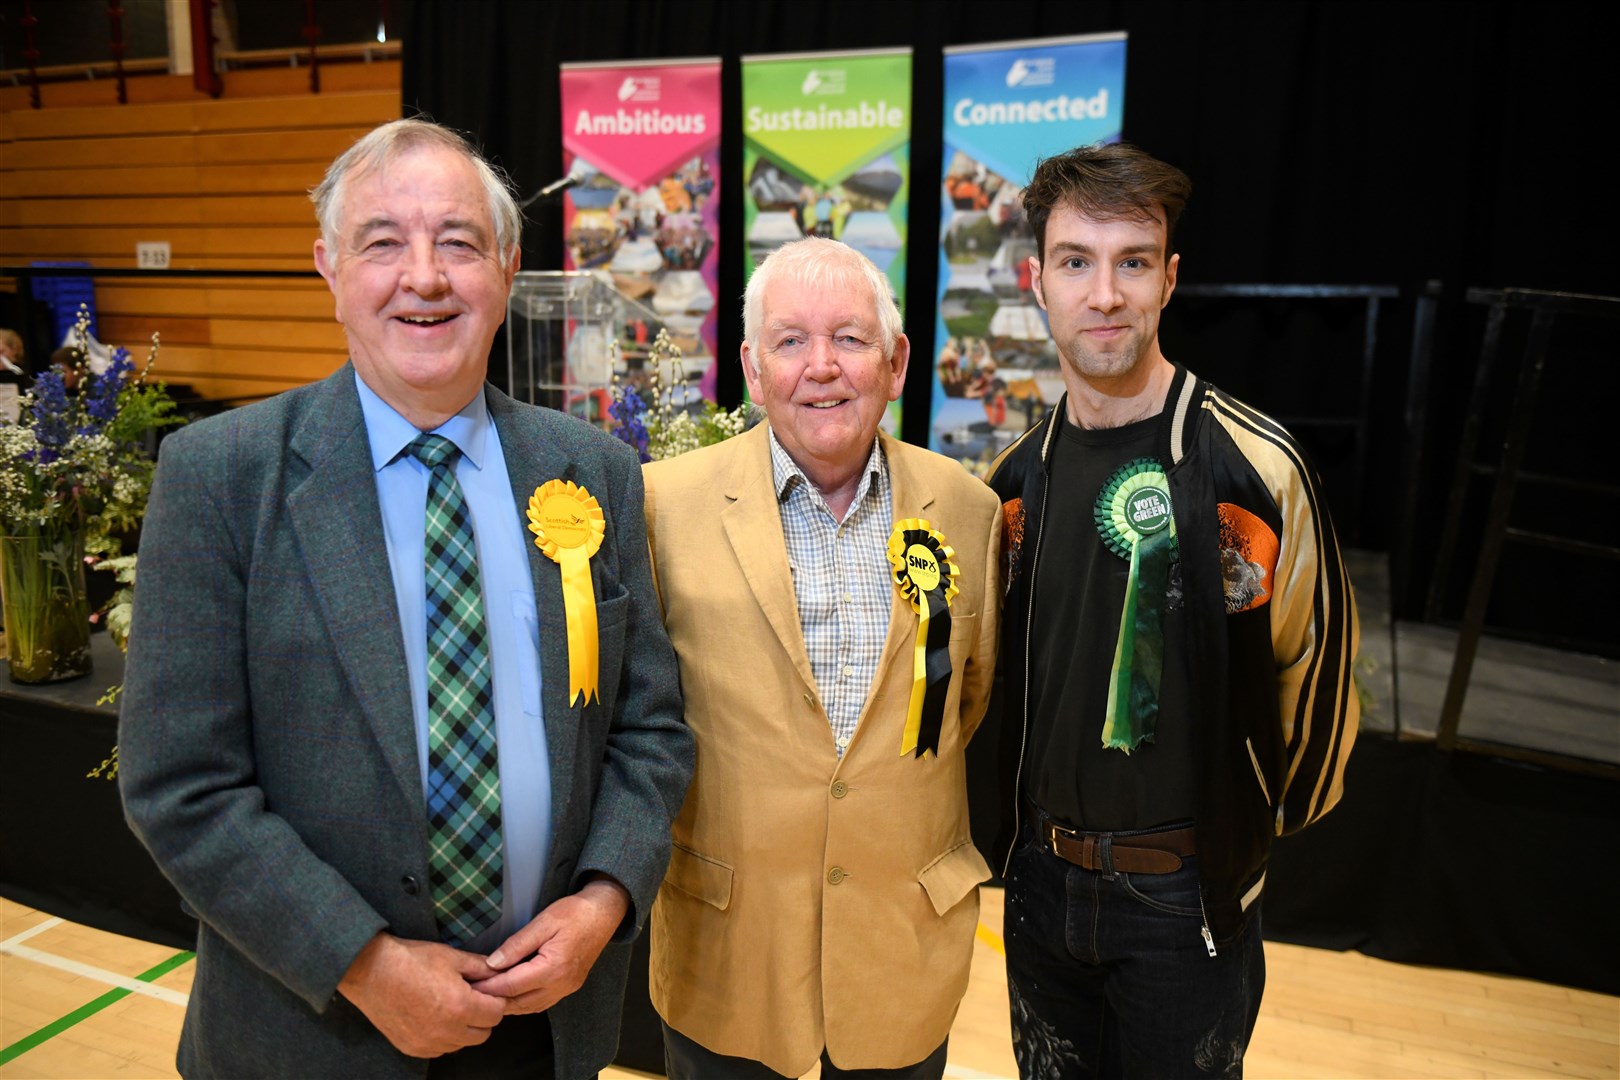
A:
1032, 71
640, 88
823, 81
819, 120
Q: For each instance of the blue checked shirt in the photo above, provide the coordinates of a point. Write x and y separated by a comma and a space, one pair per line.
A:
841, 582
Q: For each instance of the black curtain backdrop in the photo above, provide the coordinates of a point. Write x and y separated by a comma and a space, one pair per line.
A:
1340, 143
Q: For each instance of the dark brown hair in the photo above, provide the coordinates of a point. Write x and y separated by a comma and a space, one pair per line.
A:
1108, 181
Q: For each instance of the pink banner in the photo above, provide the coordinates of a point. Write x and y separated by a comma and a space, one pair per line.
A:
643, 142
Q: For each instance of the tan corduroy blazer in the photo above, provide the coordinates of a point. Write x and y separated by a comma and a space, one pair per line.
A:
813, 901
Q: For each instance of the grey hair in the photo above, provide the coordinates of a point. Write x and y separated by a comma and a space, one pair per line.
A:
385, 144
816, 263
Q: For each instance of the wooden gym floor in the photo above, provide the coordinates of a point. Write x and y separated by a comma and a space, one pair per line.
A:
77, 1002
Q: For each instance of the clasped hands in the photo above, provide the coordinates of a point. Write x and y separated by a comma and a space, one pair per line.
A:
430, 999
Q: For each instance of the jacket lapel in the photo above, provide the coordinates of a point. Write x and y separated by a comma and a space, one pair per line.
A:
338, 521
753, 526
532, 458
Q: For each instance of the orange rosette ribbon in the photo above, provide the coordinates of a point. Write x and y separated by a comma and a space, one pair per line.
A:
568, 527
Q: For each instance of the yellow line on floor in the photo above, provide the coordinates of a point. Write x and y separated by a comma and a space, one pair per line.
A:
991, 938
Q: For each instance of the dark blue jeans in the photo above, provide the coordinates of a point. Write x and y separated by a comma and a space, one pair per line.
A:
1109, 974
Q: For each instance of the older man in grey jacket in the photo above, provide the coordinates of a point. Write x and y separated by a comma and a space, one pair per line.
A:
411, 760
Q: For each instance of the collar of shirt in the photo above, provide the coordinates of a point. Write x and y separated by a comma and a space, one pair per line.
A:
786, 476
390, 433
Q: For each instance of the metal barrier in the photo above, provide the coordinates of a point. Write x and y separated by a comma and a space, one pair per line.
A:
1545, 309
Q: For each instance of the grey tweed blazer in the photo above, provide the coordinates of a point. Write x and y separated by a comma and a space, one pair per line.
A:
268, 756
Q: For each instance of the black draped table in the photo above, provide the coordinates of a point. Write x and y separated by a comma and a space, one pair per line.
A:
64, 846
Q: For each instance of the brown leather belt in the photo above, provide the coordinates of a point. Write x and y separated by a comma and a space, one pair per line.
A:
1143, 853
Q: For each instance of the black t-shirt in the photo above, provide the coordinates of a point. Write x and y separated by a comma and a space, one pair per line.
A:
1079, 594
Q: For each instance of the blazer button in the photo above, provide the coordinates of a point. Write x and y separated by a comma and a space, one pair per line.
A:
839, 789
410, 885
835, 875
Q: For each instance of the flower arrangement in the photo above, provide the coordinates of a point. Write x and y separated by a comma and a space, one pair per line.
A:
74, 478
658, 423
76, 457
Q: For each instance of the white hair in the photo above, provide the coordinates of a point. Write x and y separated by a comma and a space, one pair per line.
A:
385, 144
815, 263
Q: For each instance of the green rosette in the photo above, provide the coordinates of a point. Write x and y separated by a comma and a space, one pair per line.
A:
1134, 519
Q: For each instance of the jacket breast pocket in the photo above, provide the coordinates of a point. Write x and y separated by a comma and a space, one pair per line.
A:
612, 613
699, 876
964, 636
964, 628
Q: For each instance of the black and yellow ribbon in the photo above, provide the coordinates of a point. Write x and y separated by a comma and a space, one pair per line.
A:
568, 527
1133, 516
925, 577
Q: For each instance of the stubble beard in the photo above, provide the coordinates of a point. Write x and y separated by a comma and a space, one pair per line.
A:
1090, 364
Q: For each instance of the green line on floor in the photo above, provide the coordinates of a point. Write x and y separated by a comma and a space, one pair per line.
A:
84, 1012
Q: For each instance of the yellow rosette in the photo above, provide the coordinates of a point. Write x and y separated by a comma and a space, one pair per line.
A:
568, 528
925, 578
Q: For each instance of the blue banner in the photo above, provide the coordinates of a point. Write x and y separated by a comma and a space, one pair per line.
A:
1006, 107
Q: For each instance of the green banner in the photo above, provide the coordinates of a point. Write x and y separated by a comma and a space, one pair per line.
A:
827, 151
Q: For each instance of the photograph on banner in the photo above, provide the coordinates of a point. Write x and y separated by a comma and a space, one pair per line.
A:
1006, 107
827, 152
642, 144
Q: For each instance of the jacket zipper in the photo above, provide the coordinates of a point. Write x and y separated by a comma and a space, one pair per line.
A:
1029, 626
1203, 929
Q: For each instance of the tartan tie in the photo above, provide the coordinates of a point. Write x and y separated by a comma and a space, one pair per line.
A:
463, 788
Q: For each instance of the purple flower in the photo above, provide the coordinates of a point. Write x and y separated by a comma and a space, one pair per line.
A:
102, 400
51, 415
627, 409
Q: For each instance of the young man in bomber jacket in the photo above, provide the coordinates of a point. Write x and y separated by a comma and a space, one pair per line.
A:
1179, 634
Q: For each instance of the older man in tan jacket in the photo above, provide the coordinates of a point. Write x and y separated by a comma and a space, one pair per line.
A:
832, 595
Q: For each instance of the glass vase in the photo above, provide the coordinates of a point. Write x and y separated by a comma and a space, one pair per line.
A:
47, 616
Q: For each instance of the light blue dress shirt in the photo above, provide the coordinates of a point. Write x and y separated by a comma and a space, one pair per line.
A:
509, 611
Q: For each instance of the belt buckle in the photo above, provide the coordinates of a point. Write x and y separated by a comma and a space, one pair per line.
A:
1051, 837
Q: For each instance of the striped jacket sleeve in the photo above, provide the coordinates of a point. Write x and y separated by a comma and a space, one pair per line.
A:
1314, 629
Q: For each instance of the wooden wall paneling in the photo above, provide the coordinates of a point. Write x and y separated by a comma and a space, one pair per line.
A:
101, 151
187, 243
91, 93
249, 300
382, 75
160, 210
364, 110
202, 149
225, 184
258, 114
241, 391
189, 180
321, 145
106, 121
134, 332
182, 363
286, 334
291, 81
